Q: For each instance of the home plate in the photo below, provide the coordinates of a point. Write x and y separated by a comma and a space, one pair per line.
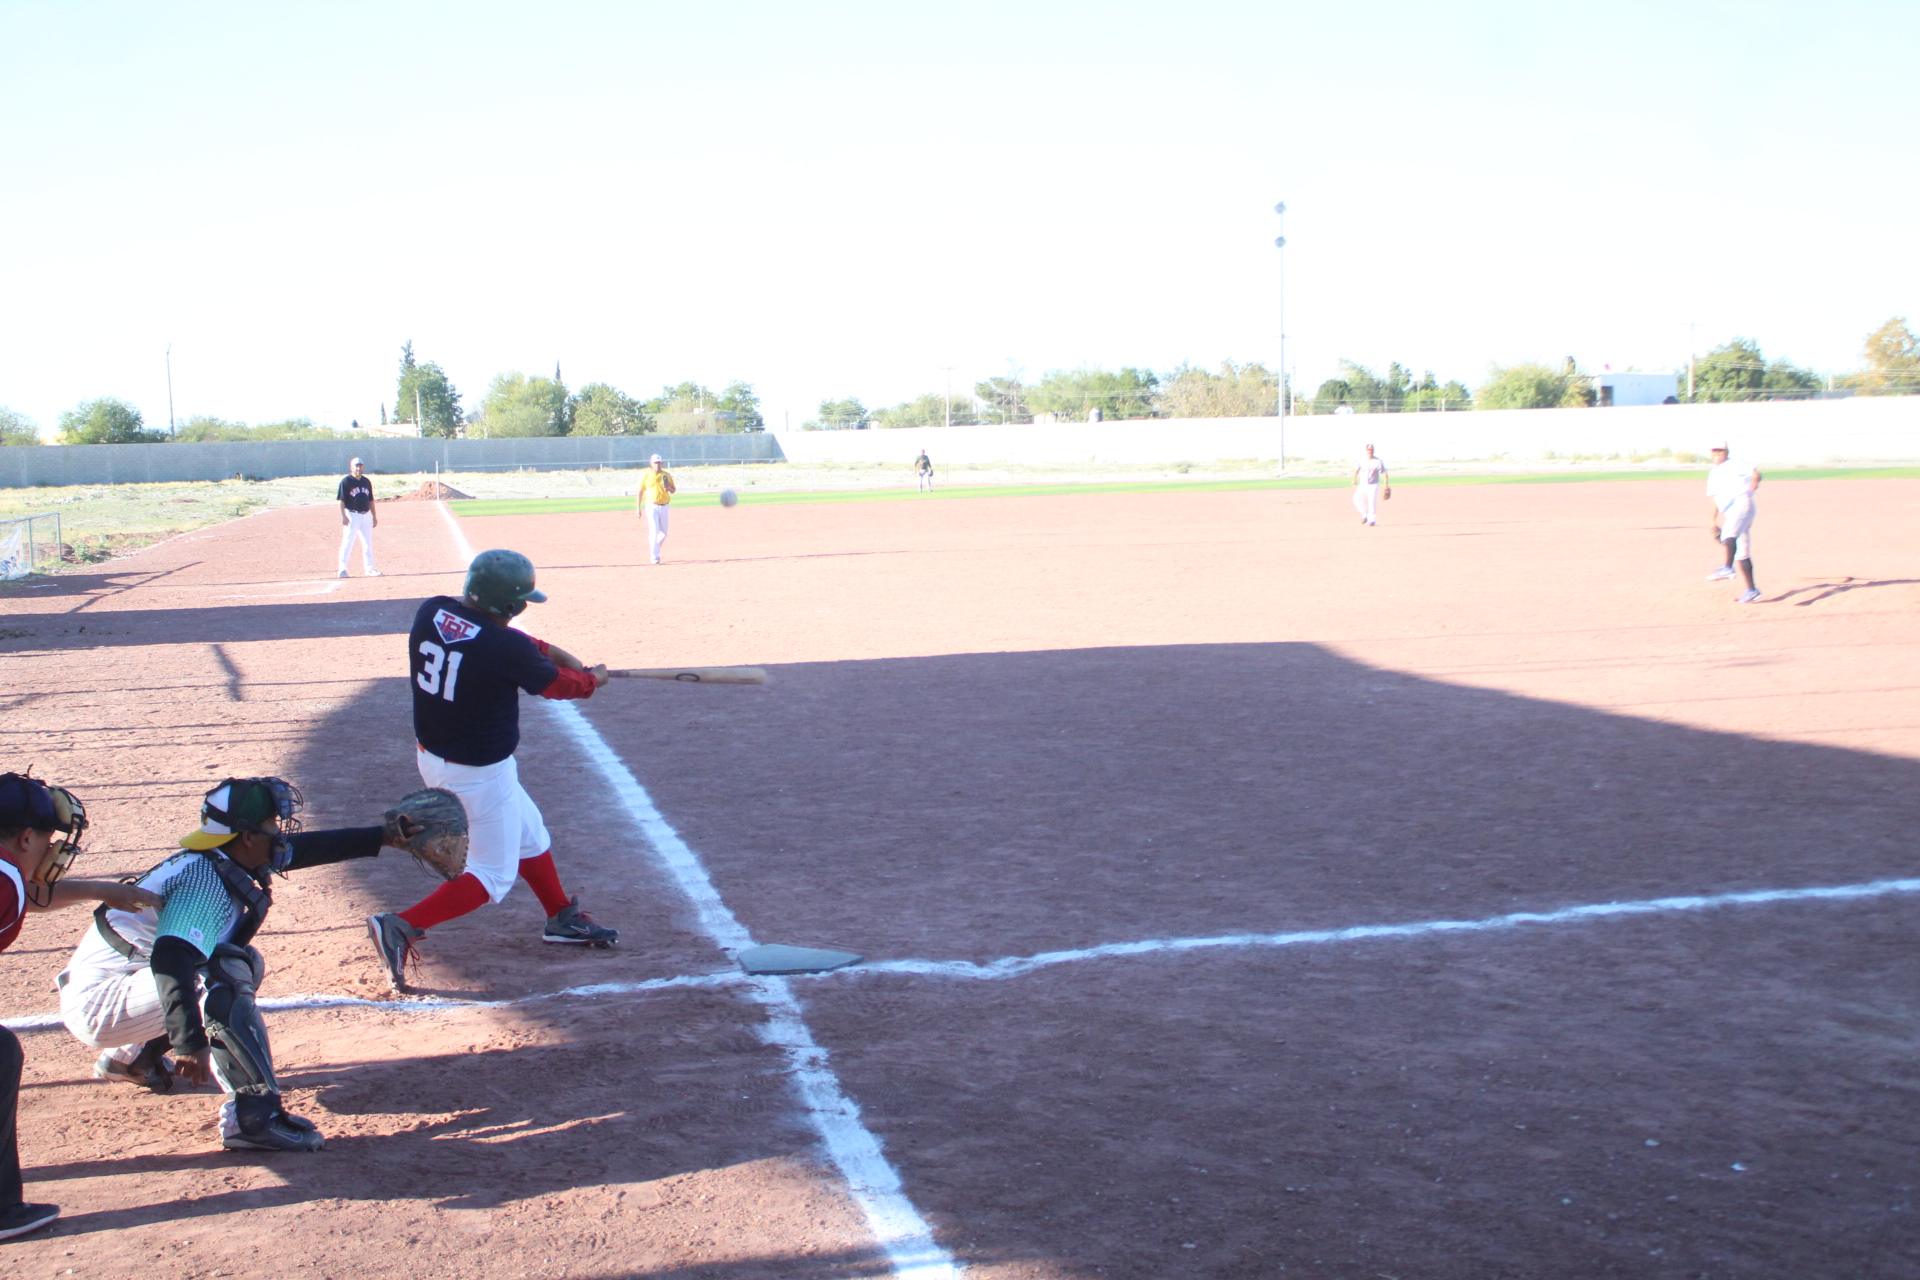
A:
777, 957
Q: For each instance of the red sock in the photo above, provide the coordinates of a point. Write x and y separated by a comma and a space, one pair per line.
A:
450, 901
544, 879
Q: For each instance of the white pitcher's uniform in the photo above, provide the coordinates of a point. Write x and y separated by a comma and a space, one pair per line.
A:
1366, 494
1727, 489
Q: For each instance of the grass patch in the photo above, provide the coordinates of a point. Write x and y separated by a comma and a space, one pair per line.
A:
568, 506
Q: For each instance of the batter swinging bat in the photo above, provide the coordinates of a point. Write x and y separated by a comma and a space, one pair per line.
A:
694, 675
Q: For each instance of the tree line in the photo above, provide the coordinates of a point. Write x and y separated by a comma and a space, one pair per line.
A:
518, 405
1075, 395
1733, 371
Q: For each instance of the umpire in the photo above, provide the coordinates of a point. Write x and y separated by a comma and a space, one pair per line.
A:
31, 860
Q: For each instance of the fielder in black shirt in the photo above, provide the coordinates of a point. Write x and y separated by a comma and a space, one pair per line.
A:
358, 518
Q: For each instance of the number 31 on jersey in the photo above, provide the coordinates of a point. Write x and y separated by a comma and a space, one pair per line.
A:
437, 660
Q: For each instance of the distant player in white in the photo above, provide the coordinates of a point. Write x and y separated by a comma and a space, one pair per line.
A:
1730, 488
359, 517
1368, 478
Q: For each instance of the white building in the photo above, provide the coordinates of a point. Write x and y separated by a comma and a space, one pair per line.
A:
1619, 389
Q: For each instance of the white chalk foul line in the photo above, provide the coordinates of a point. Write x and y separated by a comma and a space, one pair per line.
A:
1015, 966
871, 1179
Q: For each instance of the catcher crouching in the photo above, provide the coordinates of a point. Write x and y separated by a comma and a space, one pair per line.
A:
182, 977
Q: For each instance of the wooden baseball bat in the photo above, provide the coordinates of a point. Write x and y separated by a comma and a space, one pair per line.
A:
694, 675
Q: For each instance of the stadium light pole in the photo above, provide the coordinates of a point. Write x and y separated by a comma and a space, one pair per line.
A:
1280, 380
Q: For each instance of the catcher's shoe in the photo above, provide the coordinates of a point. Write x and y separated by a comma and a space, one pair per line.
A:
230, 1119
262, 1125
575, 928
149, 1068
393, 938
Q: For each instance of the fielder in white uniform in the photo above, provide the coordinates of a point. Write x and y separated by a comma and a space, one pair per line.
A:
1368, 478
1730, 488
359, 518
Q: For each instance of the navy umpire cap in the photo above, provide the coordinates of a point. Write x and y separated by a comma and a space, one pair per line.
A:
27, 804
501, 582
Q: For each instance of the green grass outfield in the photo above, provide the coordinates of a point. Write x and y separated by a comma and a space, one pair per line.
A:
560, 506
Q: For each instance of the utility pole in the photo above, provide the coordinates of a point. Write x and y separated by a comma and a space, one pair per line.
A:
171, 428
949, 368
418, 425
1280, 373
1691, 326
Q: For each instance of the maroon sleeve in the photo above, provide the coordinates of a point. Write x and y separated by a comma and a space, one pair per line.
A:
570, 684
10, 911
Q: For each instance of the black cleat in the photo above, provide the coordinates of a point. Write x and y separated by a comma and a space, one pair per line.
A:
393, 938
22, 1218
265, 1126
575, 928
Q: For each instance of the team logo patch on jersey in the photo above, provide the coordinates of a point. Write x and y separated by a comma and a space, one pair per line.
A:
453, 628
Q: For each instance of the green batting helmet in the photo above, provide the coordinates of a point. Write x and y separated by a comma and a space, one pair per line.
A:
501, 582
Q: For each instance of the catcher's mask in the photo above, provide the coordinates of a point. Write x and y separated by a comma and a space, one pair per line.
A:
248, 804
501, 582
28, 803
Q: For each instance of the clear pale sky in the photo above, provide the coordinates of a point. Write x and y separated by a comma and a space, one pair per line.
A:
842, 199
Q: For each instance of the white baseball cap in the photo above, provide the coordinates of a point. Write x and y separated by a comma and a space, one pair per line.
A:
354, 463
654, 458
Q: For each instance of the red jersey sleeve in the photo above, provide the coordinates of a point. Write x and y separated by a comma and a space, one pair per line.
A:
11, 912
570, 684
540, 644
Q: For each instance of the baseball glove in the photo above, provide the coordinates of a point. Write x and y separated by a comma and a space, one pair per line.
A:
432, 826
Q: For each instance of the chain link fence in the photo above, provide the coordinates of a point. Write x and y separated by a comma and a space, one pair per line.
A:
29, 545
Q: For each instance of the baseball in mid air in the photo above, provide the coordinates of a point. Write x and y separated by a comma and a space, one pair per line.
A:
728, 497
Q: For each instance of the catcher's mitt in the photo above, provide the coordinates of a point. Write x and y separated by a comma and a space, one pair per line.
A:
432, 826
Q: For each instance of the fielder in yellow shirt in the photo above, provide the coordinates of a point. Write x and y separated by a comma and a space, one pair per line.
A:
656, 494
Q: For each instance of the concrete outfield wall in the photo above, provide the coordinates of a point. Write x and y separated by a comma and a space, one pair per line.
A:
23, 466
1784, 433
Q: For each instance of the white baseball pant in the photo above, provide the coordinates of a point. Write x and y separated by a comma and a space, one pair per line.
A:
1736, 522
503, 823
111, 1010
119, 1012
1366, 500
656, 528
359, 525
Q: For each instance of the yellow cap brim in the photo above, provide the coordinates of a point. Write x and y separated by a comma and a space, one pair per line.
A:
205, 840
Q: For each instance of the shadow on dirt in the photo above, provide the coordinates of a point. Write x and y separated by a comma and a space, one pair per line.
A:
1725, 1092
1828, 590
975, 806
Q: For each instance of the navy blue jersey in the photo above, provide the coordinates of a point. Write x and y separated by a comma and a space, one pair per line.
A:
356, 494
468, 670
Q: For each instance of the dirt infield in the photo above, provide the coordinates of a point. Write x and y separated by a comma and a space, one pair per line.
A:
1028, 725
